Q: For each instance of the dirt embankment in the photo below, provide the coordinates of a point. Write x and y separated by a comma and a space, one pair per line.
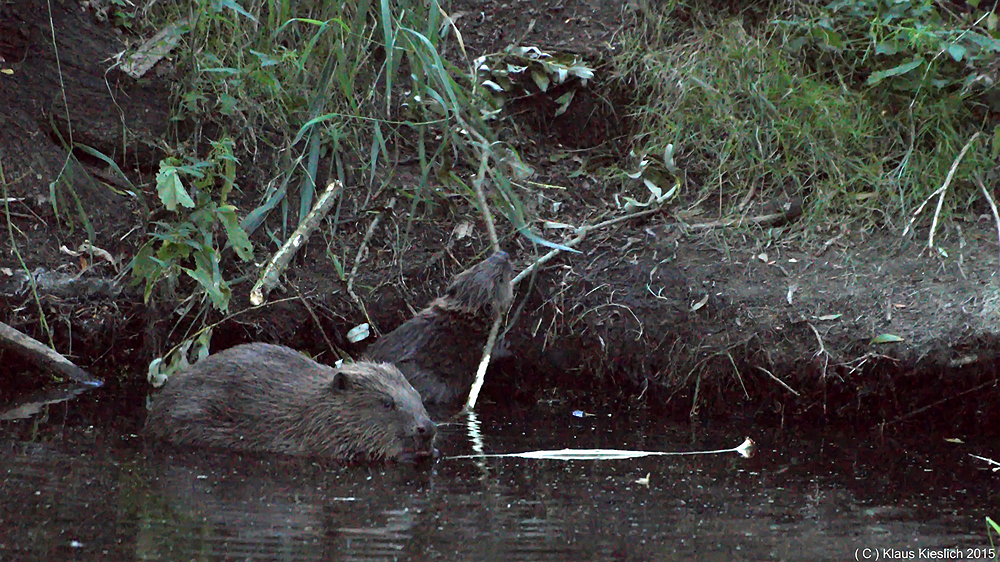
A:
652, 311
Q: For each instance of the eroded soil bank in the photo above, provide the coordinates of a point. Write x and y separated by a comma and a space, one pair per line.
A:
660, 311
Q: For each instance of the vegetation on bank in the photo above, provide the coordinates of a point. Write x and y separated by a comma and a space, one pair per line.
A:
859, 107
308, 91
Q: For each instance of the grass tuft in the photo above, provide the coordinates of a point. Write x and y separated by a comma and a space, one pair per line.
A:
752, 116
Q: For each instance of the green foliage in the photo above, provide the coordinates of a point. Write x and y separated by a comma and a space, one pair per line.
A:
123, 13
187, 243
910, 44
348, 83
751, 118
507, 74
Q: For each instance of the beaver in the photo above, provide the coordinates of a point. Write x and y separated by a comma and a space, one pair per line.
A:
438, 349
269, 398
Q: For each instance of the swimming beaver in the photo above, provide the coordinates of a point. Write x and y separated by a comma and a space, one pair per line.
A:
438, 349
269, 398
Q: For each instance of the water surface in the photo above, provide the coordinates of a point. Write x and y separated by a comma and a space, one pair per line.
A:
76, 487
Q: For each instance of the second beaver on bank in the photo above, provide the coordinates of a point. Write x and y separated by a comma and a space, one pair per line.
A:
269, 398
439, 349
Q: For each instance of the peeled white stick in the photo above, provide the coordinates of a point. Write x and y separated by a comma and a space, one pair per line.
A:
279, 262
481, 372
745, 450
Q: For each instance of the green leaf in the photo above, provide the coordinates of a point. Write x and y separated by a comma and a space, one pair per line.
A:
527, 233
541, 80
886, 338
265, 58
987, 43
237, 236
227, 104
208, 276
996, 143
564, 101
831, 40
956, 51
170, 188
881, 75
886, 48
238, 9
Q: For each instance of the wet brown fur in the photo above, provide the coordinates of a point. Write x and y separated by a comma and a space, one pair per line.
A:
438, 349
270, 398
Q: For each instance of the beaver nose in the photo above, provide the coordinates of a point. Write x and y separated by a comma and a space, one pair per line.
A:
426, 430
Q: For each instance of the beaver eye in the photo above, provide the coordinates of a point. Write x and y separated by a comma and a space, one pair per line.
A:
389, 404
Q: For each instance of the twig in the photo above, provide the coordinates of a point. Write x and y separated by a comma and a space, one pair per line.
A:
939, 402
822, 349
779, 381
738, 376
484, 362
481, 198
771, 219
279, 262
944, 187
357, 261
319, 327
581, 233
693, 414
224, 319
989, 199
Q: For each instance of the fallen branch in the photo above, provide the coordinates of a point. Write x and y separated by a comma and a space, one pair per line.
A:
792, 209
279, 262
43, 356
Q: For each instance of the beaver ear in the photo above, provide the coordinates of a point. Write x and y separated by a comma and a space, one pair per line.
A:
340, 382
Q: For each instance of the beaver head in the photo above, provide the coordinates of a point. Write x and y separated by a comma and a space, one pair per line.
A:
368, 410
484, 288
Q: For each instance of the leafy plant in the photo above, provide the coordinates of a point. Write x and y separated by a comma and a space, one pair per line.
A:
349, 85
187, 244
123, 13
907, 44
785, 109
509, 73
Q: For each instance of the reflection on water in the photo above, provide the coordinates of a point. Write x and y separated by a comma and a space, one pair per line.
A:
72, 492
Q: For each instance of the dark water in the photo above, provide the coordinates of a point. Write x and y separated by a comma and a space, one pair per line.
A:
73, 488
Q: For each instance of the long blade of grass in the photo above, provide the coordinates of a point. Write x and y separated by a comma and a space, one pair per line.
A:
118, 172
389, 38
308, 189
